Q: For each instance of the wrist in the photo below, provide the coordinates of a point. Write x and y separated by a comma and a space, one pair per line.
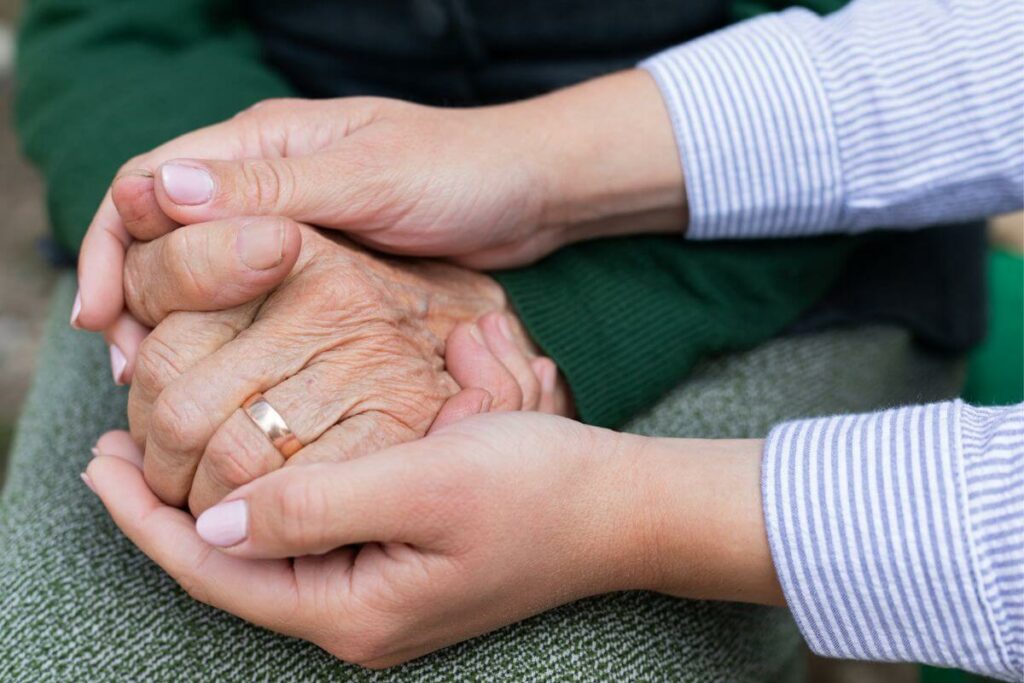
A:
614, 517
707, 537
606, 159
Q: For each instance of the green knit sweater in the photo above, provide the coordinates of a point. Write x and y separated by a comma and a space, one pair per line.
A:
625, 319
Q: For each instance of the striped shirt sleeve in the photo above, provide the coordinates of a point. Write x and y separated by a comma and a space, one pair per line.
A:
899, 114
899, 535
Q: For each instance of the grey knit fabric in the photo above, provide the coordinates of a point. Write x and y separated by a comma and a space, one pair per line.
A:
79, 603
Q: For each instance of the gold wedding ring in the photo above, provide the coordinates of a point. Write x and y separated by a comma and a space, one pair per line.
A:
272, 424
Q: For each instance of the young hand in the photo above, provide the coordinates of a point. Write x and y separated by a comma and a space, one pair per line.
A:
490, 187
484, 522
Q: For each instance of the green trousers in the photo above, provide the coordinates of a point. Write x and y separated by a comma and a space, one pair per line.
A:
78, 602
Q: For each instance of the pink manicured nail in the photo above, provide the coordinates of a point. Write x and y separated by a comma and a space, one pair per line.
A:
505, 327
224, 525
88, 482
261, 243
76, 308
117, 364
186, 185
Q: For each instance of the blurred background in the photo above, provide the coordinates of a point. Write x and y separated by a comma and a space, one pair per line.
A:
995, 376
25, 277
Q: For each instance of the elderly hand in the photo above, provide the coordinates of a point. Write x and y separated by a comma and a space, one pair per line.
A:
484, 522
349, 348
490, 186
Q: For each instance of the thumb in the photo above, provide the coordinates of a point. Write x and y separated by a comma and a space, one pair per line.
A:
316, 508
209, 267
195, 191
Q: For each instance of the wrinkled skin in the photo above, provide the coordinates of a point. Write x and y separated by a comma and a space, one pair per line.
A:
349, 349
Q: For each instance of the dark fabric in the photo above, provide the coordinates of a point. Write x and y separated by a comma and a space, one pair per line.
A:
645, 310
470, 52
467, 52
104, 80
929, 281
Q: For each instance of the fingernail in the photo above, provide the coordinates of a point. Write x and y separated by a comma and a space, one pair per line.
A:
261, 244
225, 524
88, 482
117, 364
187, 185
95, 452
76, 308
505, 327
485, 403
476, 334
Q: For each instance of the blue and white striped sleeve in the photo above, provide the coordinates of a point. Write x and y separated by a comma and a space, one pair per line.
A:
895, 114
899, 535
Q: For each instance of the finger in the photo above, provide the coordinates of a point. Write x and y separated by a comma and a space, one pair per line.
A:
331, 405
464, 404
173, 348
135, 199
261, 592
303, 188
210, 266
310, 510
472, 365
101, 259
555, 396
120, 444
546, 372
497, 333
191, 409
355, 437
124, 338
100, 263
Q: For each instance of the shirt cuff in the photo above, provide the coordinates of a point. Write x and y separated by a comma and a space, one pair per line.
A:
873, 526
754, 131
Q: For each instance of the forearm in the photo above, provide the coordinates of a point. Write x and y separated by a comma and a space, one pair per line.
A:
794, 125
891, 536
606, 156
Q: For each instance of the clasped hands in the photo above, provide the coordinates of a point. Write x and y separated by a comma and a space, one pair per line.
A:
402, 544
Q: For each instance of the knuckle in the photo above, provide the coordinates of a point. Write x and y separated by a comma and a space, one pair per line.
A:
138, 416
135, 292
157, 365
302, 509
194, 587
231, 459
267, 185
191, 577
177, 423
184, 258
